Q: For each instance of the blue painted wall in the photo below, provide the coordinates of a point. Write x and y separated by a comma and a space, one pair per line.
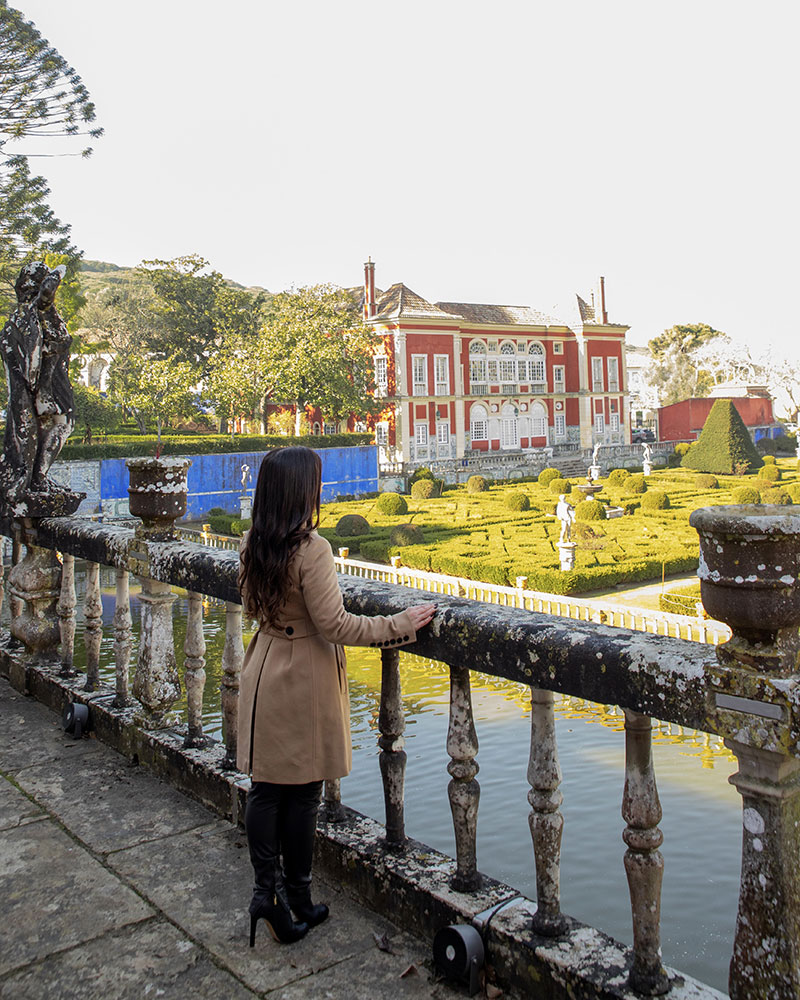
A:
216, 480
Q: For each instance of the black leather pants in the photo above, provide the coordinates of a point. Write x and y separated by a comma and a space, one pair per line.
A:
281, 821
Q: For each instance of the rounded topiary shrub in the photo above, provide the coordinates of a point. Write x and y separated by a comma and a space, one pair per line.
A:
423, 473
517, 501
617, 477
747, 494
706, 481
546, 476
794, 492
655, 500
477, 484
590, 510
423, 489
768, 459
682, 447
770, 472
558, 486
778, 495
352, 524
406, 534
636, 483
391, 503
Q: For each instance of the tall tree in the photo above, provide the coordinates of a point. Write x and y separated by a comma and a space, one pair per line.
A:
154, 390
197, 307
321, 352
676, 372
41, 97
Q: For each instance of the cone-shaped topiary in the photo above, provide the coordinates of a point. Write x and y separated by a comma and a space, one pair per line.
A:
724, 445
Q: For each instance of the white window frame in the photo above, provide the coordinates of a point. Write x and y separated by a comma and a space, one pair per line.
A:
443, 432
382, 434
330, 428
614, 423
538, 424
559, 374
441, 375
491, 371
536, 357
558, 347
421, 435
478, 424
597, 374
419, 374
599, 423
613, 374
381, 375
560, 425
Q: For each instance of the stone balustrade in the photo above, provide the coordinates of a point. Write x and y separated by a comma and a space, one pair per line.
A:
686, 683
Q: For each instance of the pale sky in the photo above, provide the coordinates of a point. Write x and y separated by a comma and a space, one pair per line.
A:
479, 152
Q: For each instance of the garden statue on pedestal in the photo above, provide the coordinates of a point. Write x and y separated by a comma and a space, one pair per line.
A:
245, 500
566, 547
40, 414
647, 459
593, 472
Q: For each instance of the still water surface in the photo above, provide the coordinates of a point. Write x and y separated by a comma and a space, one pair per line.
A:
702, 812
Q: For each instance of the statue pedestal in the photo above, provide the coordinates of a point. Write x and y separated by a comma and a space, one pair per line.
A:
647, 468
593, 472
566, 553
245, 507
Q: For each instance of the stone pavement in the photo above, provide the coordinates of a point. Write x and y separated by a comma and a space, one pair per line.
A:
114, 885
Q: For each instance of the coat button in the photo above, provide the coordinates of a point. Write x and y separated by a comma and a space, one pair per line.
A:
405, 638
289, 630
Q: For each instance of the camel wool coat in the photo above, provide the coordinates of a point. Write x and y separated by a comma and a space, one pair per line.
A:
294, 705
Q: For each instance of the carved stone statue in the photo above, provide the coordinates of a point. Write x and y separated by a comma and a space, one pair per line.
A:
40, 415
245, 477
566, 514
648, 454
595, 453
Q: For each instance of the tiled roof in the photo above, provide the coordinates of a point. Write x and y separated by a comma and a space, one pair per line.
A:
475, 312
400, 301
585, 310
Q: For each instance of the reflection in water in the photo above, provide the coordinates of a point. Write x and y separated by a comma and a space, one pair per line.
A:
702, 812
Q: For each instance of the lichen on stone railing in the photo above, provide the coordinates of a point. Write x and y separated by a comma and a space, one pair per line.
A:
745, 690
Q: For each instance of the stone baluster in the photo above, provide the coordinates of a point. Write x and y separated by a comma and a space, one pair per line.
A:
766, 949
463, 790
123, 637
67, 602
93, 625
232, 659
545, 819
155, 682
332, 808
194, 649
644, 865
34, 587
392, 759
15, 604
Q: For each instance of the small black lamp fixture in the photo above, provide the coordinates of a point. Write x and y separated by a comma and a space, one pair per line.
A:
458, 954
75, 719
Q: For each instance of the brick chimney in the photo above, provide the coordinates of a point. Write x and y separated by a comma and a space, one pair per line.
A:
369, 289
602, 317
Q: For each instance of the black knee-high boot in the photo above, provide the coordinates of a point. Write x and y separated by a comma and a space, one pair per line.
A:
297, 824
264, 804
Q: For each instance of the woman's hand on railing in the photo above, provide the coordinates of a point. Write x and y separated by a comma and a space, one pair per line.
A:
421, 614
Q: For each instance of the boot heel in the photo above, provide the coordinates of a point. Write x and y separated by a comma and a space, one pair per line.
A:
253, 922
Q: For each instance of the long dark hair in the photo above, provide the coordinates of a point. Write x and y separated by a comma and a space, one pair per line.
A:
285, 512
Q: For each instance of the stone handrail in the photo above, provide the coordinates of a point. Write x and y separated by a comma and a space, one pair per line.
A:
648, 676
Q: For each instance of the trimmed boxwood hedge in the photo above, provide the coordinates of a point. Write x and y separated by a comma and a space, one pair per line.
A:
747, 494
655, 500
391, 504
705, 481
546, 476
590, 510
144, 445
635, 483
406, 534
423, 489
769, 472
777, 495
477, 484
724, 446
517, 501
558, 486
352, 524
617, 477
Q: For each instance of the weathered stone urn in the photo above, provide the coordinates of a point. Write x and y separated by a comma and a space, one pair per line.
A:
158, 492
749, 570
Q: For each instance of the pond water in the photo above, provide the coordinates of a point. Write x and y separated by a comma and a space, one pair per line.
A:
702, 812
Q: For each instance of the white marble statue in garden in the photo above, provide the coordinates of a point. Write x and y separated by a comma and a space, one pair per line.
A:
566, 515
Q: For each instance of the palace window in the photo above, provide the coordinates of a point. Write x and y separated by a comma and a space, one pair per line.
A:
421, 435
536, 363
330, 428
477, 367
597, 374
558, 378
478, 424
382, 433
613, 374
381, 376
538, 422
558, 347
599, 424
507, 367
443, 432
560, 425
441, 375
614, 422
419, 374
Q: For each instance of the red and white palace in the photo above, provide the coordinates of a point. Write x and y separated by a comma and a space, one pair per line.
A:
461, 377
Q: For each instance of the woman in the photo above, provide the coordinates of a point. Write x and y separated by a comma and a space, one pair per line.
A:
294, 709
